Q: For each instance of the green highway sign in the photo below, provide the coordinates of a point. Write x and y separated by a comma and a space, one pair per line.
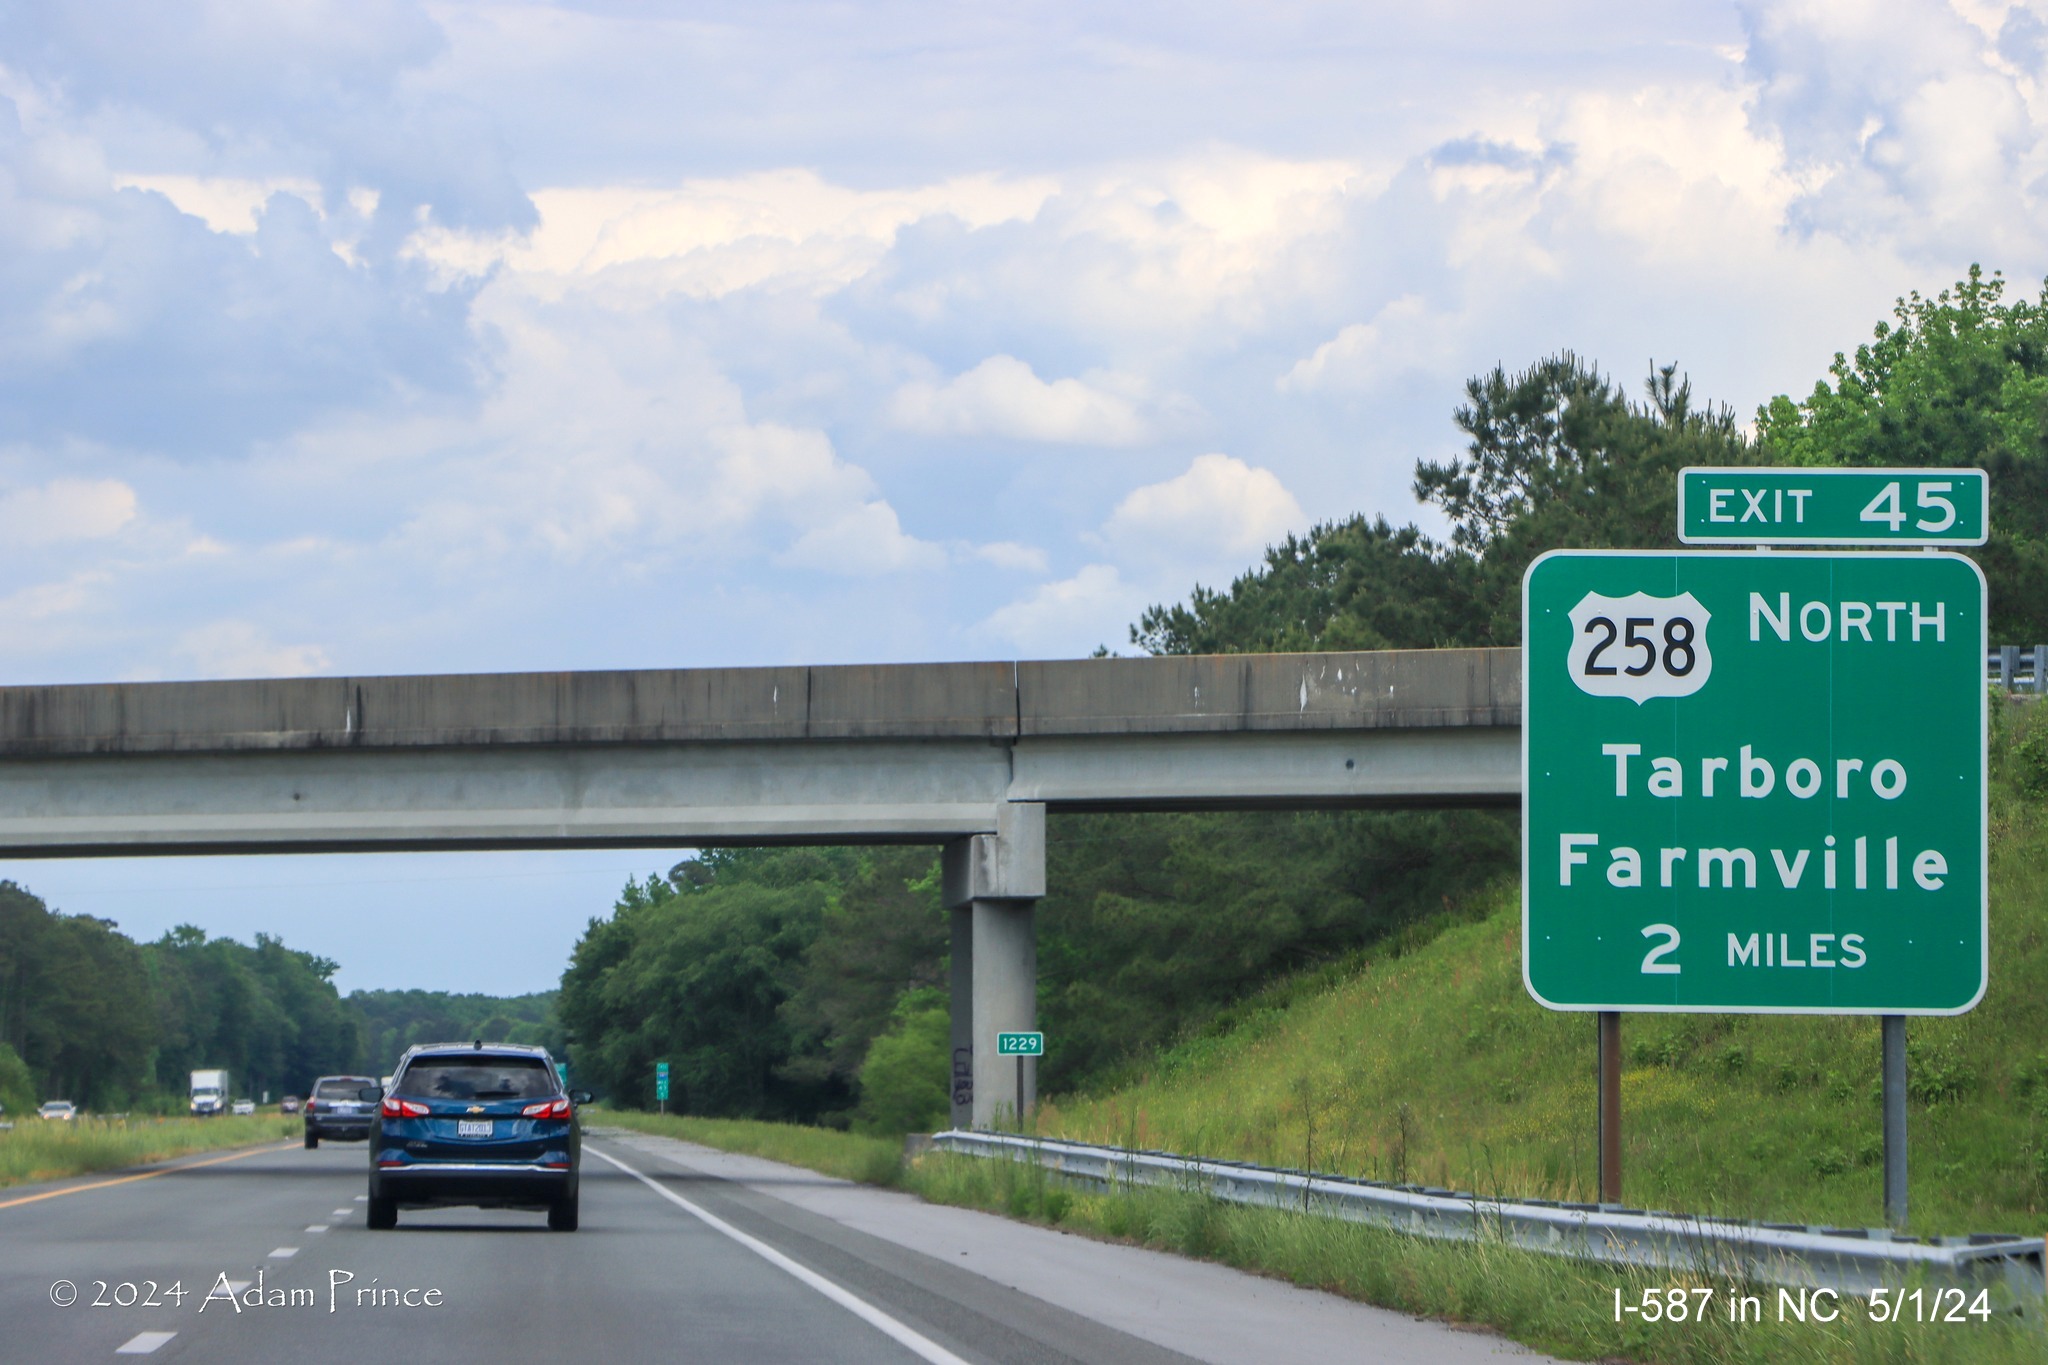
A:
1798, 506
1020, 1045
661, 1080
1754, 782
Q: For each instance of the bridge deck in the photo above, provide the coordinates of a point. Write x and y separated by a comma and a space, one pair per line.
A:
904, 752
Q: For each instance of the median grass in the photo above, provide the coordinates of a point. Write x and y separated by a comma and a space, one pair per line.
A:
37, 1150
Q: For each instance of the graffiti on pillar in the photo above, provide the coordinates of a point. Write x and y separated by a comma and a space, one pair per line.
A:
963, 1075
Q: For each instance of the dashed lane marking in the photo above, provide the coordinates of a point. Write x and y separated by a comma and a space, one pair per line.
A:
143, 1343
343, 1213
316, 1227
146, 1175
922, 1346
284, 1253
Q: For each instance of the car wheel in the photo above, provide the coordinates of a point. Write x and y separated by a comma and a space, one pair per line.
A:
312, 1139
562, 1215
383, 1213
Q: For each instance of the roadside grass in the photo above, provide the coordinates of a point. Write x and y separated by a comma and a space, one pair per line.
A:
35, 1150
1430, 1064
1556, 1305
869, 1160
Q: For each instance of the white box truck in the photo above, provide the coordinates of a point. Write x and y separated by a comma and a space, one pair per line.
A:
209, 1093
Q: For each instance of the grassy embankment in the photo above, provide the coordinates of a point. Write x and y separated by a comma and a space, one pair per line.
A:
37, 1150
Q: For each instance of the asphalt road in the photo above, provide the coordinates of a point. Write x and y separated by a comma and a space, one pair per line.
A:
684, 1255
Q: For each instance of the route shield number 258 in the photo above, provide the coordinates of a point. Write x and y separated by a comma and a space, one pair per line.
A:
1639, 646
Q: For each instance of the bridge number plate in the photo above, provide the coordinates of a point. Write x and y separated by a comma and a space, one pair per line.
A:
1754, 782
1020, 1044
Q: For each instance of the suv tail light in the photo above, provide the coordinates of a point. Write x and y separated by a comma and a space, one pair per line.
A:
395, 1108
312, 1105
548, 1109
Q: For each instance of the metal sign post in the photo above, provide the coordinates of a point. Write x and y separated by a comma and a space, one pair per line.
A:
1894, 1027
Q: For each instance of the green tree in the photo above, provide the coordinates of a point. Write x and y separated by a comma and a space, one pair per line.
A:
903, 1079
696, 975
1959, 380
17, 1086
1559, 458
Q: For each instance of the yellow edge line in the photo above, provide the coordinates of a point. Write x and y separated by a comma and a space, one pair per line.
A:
146, 1175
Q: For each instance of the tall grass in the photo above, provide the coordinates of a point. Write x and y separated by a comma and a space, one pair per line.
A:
38, 1150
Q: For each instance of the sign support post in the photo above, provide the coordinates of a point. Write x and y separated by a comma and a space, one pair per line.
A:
1895, 1119
1610, 1106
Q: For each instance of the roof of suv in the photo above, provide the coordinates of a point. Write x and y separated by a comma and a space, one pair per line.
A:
496, 1049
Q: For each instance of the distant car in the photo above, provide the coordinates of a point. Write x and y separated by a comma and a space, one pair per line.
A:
483, 1124
63, 1110
245, 1106
337, 1109
288, 1105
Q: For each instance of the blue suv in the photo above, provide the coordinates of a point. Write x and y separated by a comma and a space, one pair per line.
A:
477, 1124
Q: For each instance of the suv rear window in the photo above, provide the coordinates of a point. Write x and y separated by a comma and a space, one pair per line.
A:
477, 1077
341, 1088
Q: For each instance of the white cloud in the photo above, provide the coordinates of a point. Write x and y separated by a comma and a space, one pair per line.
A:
708, 238
1008, 554
240, 649
224, 204
1003, 397
1220, 510
1403, 337
1068, 618
864, 540
66, 509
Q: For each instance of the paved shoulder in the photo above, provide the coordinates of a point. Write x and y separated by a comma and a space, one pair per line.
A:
1192, 1309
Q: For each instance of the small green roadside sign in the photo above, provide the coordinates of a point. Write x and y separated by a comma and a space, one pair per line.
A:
661, 1080
1762, 505
1754, 782
1020, 1044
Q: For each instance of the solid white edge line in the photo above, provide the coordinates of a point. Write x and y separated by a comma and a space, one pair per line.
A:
143, 1343
917, 1342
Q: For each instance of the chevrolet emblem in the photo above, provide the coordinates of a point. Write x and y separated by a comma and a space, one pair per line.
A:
476, 1109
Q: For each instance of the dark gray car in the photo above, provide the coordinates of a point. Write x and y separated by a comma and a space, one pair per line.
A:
335, 1108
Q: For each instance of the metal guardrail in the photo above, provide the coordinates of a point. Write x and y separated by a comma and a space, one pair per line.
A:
2017, 668
1847, 1260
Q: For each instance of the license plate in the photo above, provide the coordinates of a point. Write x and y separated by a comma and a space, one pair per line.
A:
472, 1128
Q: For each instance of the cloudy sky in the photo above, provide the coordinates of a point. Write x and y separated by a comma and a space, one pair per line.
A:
387, 337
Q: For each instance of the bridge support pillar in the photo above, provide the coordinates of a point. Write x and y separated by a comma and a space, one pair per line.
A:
992, 886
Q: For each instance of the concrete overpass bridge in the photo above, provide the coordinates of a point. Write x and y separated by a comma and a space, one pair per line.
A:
968, 756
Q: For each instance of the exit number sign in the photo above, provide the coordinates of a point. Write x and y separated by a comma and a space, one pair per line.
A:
1754, 782
1020, 1044
1785, 506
